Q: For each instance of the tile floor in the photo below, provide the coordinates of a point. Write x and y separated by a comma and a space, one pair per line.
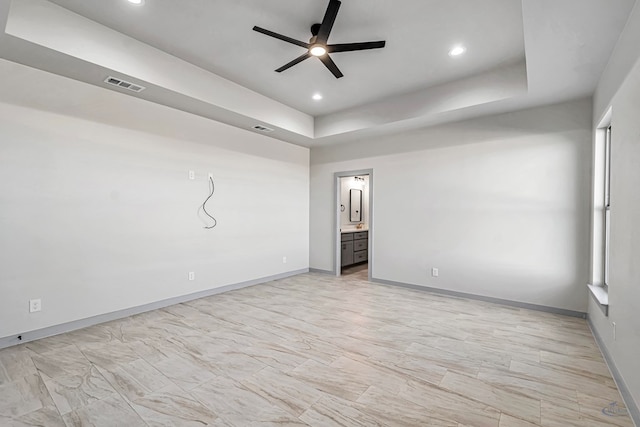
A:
358, 271
316, 350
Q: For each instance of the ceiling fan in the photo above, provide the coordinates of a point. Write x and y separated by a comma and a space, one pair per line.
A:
318, 45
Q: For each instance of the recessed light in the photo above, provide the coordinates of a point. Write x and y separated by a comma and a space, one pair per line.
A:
317, 96
136, 1
457, 51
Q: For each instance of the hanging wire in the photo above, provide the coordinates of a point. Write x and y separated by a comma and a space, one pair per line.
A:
204, 208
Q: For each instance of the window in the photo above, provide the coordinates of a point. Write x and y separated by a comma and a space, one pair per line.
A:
601, 214
607, 206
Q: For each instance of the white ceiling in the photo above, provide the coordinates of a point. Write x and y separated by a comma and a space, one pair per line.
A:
217, 36
202, 57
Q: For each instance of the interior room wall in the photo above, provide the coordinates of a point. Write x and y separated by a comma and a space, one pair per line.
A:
499, 204
346, 184
97, 218
619, 89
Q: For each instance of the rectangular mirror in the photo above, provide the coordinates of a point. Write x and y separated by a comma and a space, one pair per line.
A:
355, 205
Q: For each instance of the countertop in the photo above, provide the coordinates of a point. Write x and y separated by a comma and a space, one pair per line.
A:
353, 230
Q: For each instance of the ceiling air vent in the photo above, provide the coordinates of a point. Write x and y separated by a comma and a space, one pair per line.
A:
262, 128
124, 84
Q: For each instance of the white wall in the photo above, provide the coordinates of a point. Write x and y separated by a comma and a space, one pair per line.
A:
619, 89
96, 218
500, 205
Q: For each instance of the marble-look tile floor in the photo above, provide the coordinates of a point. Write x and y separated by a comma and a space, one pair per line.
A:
316, 350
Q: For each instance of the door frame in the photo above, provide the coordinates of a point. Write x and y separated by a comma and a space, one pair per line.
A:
337, 239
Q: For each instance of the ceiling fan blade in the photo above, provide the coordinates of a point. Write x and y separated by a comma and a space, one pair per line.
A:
298, 60
348, 47
281, 37
328, 20
328, 62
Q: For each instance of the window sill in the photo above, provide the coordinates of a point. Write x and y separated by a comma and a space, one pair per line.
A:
601, 296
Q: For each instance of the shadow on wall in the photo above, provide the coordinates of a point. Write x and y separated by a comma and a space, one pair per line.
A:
548, 119
93, 104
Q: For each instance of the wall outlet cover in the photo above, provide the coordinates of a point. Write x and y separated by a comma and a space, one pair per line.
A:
614, 330
35, 305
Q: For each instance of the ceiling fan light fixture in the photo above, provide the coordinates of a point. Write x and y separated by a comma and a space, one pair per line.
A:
318, 43
318, 50
457, 51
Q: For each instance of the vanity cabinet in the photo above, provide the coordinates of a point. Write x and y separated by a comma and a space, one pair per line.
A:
354, 248
347, 252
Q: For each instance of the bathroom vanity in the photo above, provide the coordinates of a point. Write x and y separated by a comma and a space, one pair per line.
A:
355, 245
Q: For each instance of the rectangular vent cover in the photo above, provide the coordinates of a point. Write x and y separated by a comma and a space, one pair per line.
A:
262, 128
124, 84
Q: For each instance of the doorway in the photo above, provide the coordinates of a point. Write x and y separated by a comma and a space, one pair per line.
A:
353, 223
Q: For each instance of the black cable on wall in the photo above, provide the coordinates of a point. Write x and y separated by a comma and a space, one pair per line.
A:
204, 207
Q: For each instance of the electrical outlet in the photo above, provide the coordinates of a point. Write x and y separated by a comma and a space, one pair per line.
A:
434, 272
192, 175
614, 330
192, 275
284, 259
35, 305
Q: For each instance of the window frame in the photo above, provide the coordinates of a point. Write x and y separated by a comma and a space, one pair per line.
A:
606, 260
